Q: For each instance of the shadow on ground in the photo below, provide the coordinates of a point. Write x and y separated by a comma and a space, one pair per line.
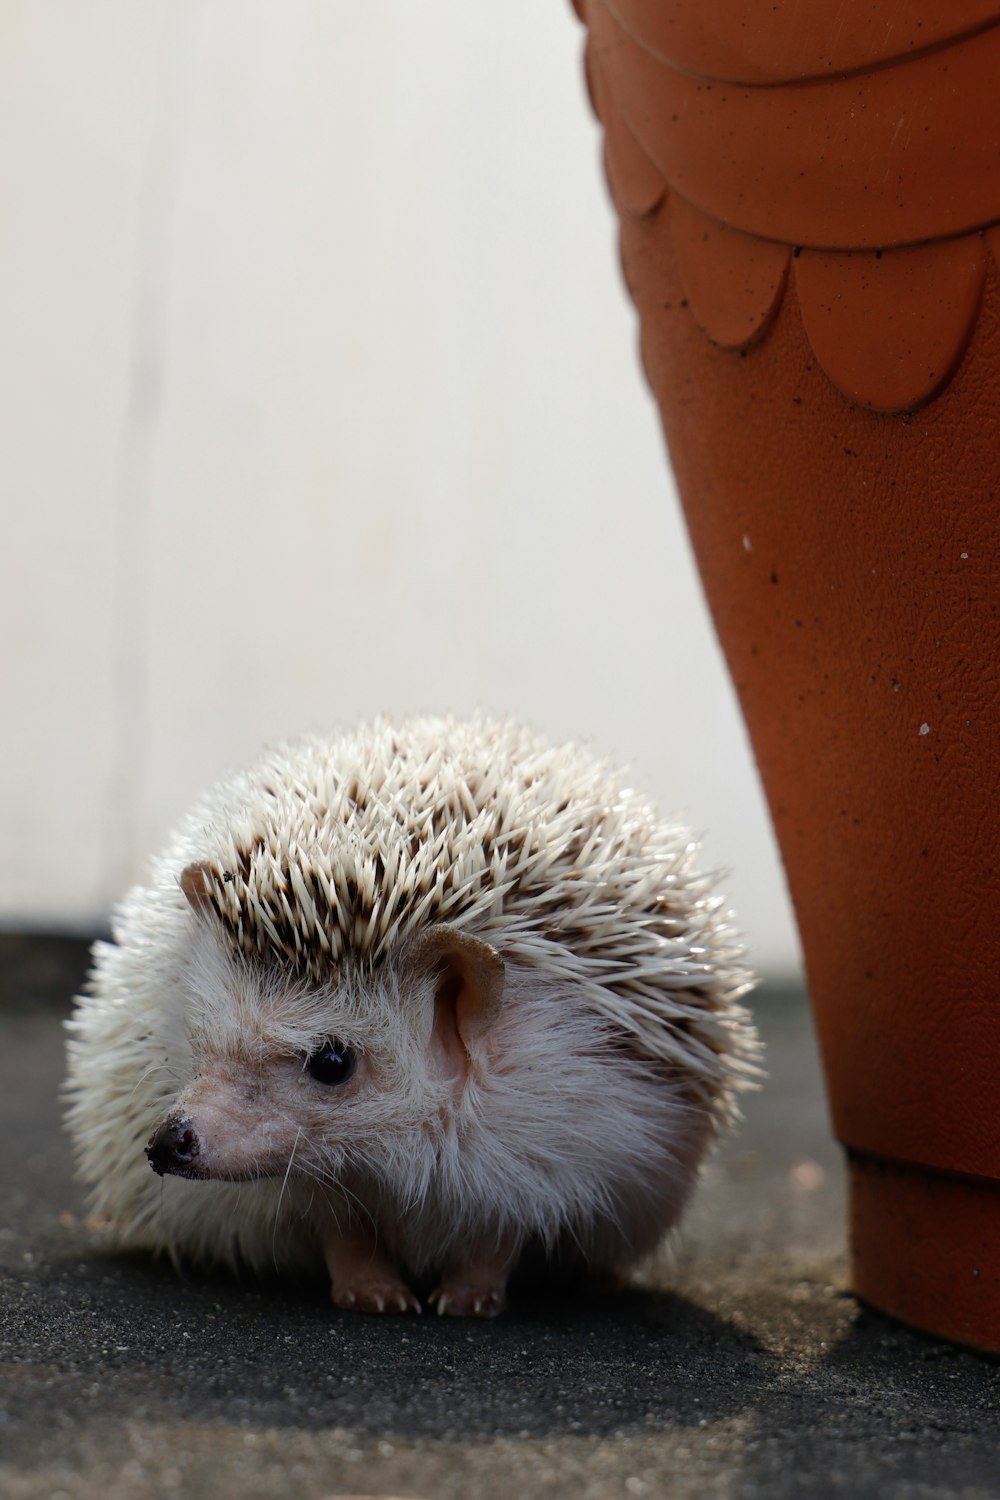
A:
743, 1368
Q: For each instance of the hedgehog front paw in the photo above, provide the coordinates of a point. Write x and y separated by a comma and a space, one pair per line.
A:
362, 1277
382, 1296
475, 1284
455, 1299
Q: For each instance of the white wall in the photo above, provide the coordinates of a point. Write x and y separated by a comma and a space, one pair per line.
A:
319, 397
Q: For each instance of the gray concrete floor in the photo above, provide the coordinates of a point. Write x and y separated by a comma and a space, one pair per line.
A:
741, 1368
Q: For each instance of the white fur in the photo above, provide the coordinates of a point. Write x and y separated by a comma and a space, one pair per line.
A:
614, 1062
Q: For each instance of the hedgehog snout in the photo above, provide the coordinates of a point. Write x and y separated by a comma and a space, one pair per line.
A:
227, 1127
174, 1147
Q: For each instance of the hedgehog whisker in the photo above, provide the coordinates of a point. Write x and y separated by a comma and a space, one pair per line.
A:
325, 1177
310, 1174
281, 1194
154, 1068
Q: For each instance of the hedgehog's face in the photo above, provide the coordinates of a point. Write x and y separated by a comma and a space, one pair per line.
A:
290, 1076
249, 1114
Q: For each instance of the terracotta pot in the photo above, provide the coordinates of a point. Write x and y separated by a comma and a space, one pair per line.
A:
805, 196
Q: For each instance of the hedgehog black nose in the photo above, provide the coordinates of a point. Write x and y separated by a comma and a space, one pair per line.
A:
174, 1147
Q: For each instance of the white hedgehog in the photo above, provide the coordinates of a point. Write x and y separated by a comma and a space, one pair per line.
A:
411, 1002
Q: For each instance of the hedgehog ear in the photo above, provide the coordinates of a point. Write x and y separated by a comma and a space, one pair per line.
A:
468, 977
196, 884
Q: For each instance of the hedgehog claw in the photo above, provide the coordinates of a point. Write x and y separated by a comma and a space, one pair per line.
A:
468, 1302
379, 1298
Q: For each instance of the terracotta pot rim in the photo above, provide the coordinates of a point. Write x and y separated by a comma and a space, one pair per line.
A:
693, 55
847, 160
921, 1249
874, 1161
889, 324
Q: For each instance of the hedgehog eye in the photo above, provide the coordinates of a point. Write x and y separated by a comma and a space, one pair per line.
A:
332, 1062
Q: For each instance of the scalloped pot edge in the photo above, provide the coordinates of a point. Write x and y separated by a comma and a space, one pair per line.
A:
784, 41
889, 326
889, 329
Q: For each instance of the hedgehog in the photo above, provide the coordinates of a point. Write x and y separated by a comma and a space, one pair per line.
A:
417, 1004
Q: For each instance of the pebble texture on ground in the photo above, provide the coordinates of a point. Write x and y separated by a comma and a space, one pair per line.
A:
741, 1368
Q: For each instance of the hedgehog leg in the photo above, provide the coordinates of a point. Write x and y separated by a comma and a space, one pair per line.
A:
476, 1287
362, 1278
